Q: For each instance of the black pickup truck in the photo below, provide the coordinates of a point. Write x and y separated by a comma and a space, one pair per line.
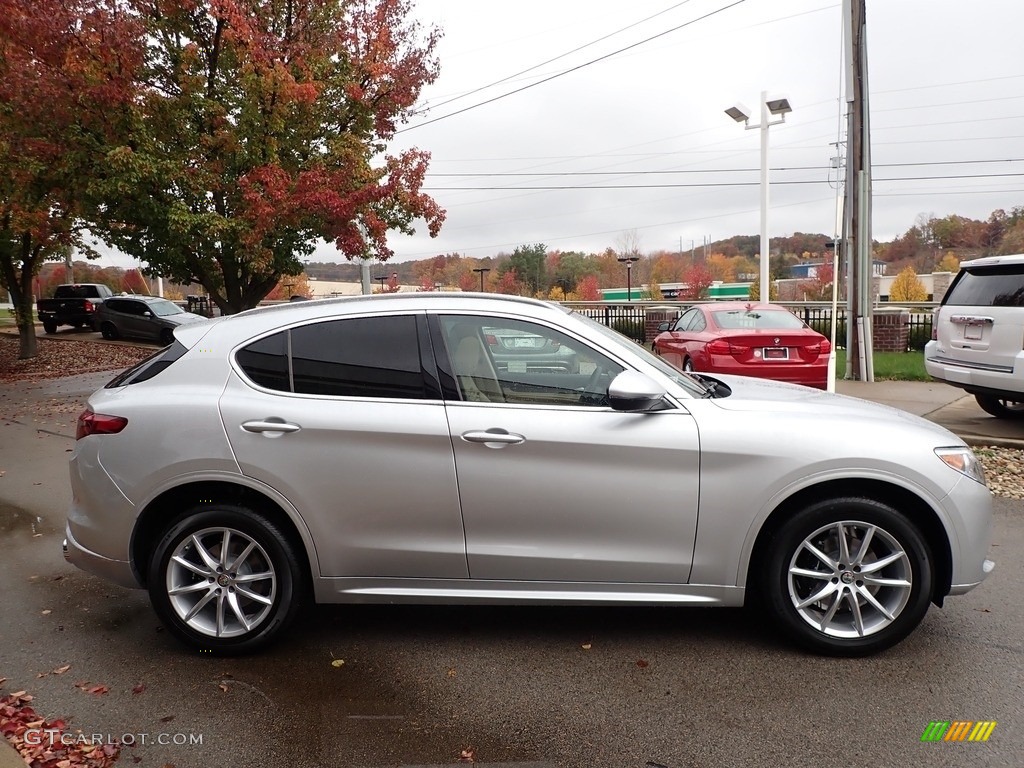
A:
73, 305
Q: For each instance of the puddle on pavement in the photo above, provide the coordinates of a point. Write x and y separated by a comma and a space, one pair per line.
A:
14, 520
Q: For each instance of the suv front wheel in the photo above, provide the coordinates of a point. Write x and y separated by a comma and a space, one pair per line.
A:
1000, 407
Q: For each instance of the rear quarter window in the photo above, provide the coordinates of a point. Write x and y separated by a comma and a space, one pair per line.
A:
356, 357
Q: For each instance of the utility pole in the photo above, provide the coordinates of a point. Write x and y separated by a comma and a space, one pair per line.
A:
857, 212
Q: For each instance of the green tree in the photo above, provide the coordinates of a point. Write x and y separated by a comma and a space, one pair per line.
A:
906, 287
261, 127
527, 262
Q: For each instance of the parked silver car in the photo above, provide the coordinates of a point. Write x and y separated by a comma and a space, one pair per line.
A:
369, 450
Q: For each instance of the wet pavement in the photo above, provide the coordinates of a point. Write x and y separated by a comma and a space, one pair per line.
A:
376, 686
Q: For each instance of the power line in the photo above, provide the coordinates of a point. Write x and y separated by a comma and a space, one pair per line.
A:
573, 69
549, 61
503, 174
708, 185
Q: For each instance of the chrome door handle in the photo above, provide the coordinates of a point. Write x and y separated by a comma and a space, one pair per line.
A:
269, 426
493, 436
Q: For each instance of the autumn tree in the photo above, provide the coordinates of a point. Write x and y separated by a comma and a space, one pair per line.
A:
292, 285
588, 289
949, 263
906, 287
754, 292
697, 278
64, 68
819, 286
261, 126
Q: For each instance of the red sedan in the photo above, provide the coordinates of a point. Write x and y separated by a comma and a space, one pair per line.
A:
762, 340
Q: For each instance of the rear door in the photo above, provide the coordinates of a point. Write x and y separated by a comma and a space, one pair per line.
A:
342, 418
982, 317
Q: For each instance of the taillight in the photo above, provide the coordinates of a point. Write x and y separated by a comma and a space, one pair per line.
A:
88, 306
91, 423
719, 347
823, 347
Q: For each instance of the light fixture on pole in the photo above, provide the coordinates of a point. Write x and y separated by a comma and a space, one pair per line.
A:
482, 271
777, 106
629, 260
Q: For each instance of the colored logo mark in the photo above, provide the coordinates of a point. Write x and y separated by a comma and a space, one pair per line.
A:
958, 730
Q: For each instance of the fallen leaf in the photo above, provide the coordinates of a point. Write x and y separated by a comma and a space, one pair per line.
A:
138, 688
586, 646
223, 687
467, 756
642, 663
62, 670
338, 663
47, 612
451, 672
166, 719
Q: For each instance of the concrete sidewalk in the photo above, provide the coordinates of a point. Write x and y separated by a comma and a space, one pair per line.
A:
953, 408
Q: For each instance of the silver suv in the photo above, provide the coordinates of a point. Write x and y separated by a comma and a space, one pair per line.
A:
978, 335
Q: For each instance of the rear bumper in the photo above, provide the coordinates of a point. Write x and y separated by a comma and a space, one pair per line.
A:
117, 571
1003, 382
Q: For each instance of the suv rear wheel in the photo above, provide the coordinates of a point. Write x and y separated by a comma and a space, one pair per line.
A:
225, 579
1001, 408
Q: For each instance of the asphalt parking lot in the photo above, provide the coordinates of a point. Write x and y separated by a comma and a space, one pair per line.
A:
376, 686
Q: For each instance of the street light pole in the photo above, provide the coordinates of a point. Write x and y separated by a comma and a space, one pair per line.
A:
778, 106
629, 261
482, 271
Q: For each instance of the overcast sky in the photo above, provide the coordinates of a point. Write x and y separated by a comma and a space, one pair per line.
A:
947, 118
946, 80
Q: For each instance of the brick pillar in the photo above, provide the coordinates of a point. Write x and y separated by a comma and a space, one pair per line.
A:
891, 329
655, 316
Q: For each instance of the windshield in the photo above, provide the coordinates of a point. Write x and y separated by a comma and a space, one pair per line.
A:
689, 383
164, 308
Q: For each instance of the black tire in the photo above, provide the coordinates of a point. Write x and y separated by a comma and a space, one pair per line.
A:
269, 603
167, 337
109, 332
888, 612
1000, 407
49, 326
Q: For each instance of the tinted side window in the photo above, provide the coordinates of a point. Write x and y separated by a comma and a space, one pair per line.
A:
988, 287
362, 357
266, 361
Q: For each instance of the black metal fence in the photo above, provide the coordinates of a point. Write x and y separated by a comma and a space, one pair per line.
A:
629, 318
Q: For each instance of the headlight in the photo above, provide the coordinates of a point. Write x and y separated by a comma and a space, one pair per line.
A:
962, 459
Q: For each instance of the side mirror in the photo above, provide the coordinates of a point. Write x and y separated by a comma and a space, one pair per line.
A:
662, 327
634, 392
147, 313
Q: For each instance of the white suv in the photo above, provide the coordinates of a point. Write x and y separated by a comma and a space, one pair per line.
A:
978, 334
